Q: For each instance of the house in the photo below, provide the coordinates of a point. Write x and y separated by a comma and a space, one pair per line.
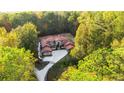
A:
55, 42
46, 51
69, 45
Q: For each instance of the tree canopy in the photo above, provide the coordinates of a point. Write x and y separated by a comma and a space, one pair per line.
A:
98, 38
102, 64
97, 30
16, 64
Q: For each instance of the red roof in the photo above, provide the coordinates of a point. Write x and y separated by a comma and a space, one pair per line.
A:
46, 39
60, 37
68, 43
46, 49
45, 45
69, 47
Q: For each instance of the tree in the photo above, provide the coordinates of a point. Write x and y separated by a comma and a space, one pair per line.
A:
117, 43
21, 18
83, 41
46, 22
73, 22
52, 23
27, 36
4, 21
8, 39
97, 30
16, 64
58, 22
102, 64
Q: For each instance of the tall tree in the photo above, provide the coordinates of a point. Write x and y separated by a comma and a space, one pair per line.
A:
27, 36
97, 30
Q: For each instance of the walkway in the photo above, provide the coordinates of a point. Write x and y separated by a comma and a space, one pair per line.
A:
56, 56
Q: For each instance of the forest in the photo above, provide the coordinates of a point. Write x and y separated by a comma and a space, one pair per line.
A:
98, 54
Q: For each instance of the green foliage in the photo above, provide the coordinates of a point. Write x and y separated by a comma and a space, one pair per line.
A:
8, 39
27, 36
19, 18
46, 22
104, 30
72, 74
117, 43
22, 37
73, 22
53, 23
97, 30
83, 36
16, 64
103, 64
